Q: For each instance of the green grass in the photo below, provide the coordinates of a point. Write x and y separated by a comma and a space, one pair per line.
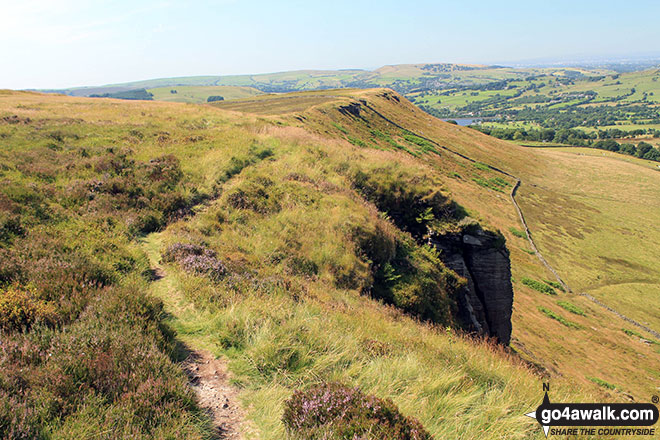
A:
200, 94
603, 383
302, 220
538, 286
517, 232
571, 308
550, 314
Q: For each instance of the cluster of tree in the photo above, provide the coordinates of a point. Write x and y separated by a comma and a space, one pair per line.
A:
615, 133
563, 136
215, 98
642, 150
572, 137
568, 116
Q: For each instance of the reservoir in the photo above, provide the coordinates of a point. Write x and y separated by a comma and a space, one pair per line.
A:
463, 122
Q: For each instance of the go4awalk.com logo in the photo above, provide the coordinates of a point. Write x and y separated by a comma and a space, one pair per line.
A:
606, 419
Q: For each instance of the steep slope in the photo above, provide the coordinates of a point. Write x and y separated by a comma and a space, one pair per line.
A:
598, 334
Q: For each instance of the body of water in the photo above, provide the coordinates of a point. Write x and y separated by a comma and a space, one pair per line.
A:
464, 121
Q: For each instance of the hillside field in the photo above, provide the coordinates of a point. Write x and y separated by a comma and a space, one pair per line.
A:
200, 94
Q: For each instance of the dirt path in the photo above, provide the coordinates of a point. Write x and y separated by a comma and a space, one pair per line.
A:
207, 376
209, 379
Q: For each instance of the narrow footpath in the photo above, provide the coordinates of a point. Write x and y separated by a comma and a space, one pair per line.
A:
207, 376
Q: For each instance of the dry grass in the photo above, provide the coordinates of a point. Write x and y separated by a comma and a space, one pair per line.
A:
304, 321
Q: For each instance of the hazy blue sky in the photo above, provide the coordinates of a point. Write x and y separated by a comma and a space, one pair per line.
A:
49, 43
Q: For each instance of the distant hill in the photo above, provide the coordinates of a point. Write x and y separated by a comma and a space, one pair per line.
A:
298, 80
518, 99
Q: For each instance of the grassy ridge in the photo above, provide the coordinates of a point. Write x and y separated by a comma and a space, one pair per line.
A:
539, 170
296, 319
317, 235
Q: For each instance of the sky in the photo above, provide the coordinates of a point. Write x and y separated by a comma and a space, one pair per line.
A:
65, 43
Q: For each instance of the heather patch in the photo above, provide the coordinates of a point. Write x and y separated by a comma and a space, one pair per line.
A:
335, 411
195, 259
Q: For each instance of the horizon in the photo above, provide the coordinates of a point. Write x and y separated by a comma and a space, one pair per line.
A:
568, 62
75, 44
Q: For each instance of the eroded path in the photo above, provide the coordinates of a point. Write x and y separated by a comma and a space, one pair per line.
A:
208, 376
209, 379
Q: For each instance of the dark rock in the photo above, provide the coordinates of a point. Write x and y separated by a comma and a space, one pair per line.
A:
352, 109
481, 257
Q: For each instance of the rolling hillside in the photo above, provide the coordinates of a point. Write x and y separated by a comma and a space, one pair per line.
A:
595, 102
292, 237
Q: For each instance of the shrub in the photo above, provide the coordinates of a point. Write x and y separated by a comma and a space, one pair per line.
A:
425, 145
18, 419
639, 335
335, 411
10, 227
416, 281
357, 142
602, 383
481, 166
517, 232
196, 259
538, 286
555, 284
571, 308
550, 314
404, 197
20, 309
258, 195
165, 170
495, 183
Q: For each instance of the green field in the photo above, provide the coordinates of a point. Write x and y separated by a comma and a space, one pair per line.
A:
599, 246
200, 94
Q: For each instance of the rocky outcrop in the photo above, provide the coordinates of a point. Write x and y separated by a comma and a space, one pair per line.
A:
481, 257
352, 109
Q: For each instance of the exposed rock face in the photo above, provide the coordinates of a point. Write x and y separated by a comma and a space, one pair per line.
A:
352, 109
481, 257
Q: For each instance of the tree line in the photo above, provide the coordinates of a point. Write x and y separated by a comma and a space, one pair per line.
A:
601, 140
